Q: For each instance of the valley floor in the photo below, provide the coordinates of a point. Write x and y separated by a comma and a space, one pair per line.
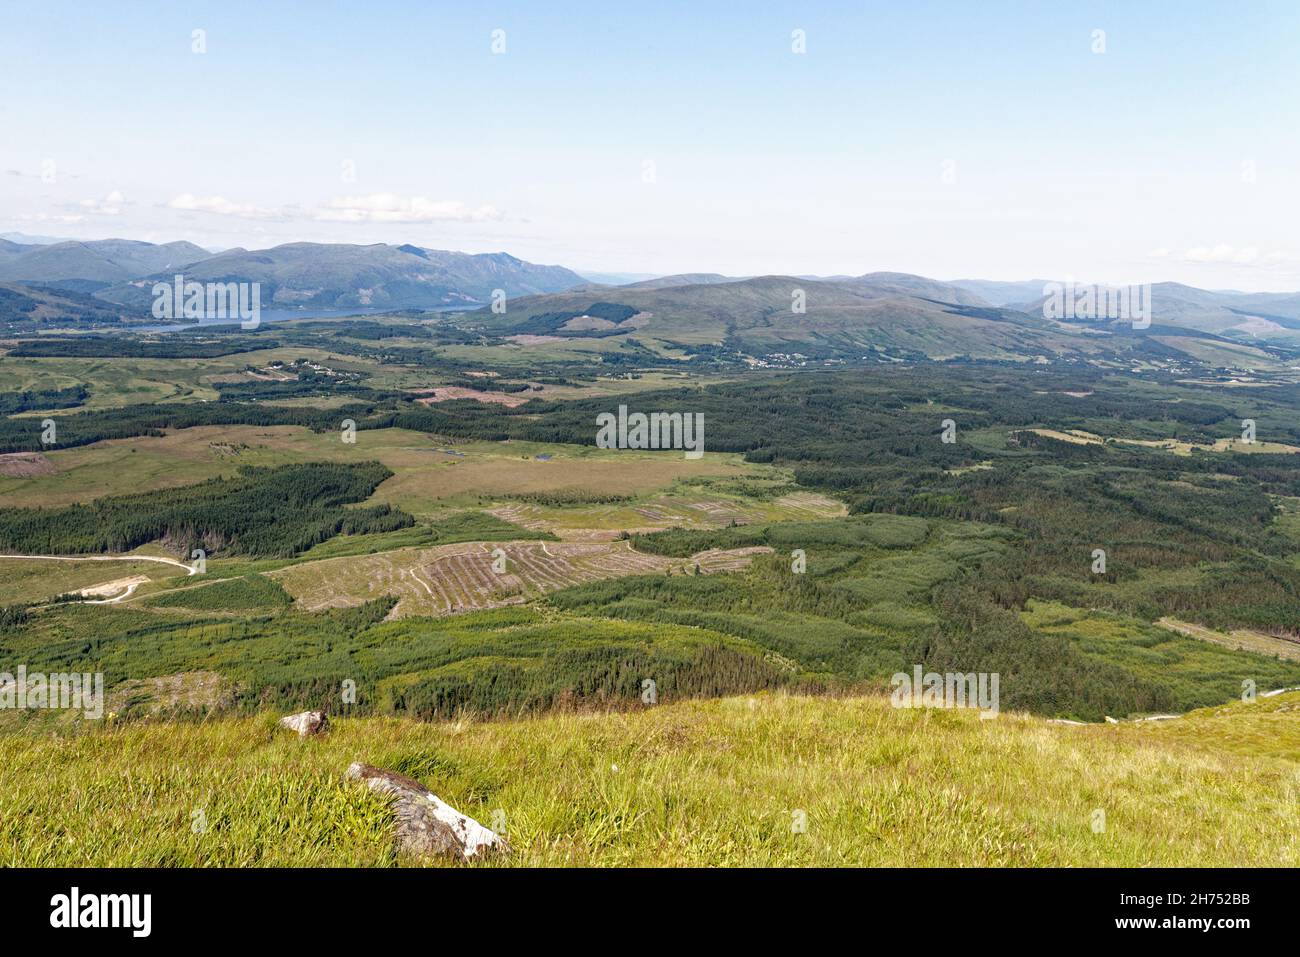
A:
725, 782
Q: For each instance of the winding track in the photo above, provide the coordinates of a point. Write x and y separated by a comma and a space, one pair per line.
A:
190, 569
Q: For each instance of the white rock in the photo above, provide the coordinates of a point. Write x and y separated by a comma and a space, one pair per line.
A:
306, 723
427, 825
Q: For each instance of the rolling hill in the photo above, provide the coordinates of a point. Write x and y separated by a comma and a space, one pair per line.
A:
1242, 316
874, 285
683, 279
891, 316
27, 308
98, 263
1003, 293
879, 285
757, 317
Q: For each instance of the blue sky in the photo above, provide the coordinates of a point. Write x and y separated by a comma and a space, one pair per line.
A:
948, 139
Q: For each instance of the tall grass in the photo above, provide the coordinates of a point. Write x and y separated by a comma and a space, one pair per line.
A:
714, 783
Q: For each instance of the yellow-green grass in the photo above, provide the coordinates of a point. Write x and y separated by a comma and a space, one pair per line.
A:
1219, 445
468, 576
1222, 354
182, 457
690, 508
35, 580
513, 356
1177, 446
425, 477
525, 351
1073, 436
488, 471
115, 382
1245, 639
616, 385
698, 783
1238, 382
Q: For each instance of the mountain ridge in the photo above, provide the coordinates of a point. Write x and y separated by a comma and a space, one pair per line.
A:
895, 313
293, 275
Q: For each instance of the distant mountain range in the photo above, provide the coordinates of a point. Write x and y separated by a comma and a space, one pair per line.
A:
884, 313
1263, 316
616, 278
293, 276
891, 314
28, 240
777, 320
91, 264
1002, 293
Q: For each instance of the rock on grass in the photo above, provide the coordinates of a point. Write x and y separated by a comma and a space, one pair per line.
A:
307, 723
426, 825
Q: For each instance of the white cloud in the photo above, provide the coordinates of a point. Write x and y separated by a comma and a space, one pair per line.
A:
1227, 254
50, 218
391, 208
223, 207
375, 208
110, 205
1220, 253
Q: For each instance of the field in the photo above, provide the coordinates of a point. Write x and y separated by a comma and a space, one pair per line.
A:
43, 579
481, 473
1228, 354
464, 577
115, 382
429, 473
765, 780
1080, 437
585, 522
1242, 639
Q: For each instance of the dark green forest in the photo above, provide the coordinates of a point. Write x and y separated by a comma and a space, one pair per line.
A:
272, 512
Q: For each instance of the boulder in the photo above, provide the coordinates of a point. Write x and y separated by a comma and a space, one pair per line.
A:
306, 723
426, 825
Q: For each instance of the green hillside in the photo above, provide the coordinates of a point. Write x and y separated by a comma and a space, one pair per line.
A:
781, 319
727, 782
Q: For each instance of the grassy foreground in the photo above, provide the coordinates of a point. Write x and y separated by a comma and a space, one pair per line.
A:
715, 782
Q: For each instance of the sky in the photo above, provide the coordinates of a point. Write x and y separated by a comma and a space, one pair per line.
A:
1100, 142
